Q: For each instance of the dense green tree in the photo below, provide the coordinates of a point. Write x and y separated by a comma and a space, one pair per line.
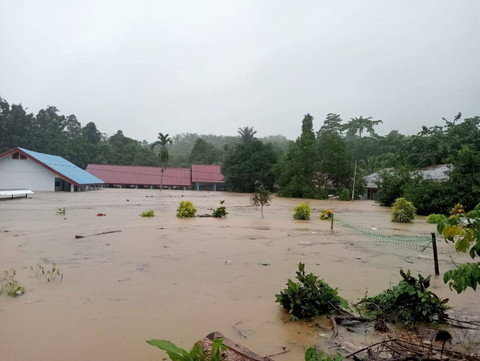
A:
297, 173
332, 124
205, 153
248, 165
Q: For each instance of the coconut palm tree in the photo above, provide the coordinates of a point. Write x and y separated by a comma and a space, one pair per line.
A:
163, 141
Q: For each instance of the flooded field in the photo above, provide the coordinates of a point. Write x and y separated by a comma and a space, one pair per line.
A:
180, 279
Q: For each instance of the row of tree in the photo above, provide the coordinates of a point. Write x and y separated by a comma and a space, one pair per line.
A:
318, 163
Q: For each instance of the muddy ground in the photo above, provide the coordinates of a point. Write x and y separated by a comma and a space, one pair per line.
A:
180, 279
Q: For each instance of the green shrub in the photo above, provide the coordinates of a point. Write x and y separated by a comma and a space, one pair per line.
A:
408, 302
326, 214
302, 211
403, 211
149, 213
220, 212
186, 210
10, 285
345, 194
309, 297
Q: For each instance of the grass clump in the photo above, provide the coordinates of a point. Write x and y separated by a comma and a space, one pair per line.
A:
149, 213
49, 273
10, 285
302, 212
176, 353
309, 297
61, 211
186, 210
407, 303
221, 211
403, 211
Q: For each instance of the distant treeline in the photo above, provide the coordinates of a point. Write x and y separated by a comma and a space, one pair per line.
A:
316, 164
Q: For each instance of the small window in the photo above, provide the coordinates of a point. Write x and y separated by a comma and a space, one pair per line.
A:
22, 156
16, 156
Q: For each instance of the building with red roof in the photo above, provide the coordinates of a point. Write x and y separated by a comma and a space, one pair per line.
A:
128, 176
207, 177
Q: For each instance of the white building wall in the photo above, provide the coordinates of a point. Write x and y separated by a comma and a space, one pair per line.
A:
25, 174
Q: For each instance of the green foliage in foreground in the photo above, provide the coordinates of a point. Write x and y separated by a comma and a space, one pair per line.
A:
186, 210
196, 353
309, 297
407, 303
463, 230
312, 354
302, 212
150, 213
403, 211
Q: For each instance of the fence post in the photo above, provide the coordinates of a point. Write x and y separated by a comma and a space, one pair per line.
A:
435, 254
331, 224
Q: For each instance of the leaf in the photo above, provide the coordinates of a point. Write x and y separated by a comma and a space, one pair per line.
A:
175, 353
452, 231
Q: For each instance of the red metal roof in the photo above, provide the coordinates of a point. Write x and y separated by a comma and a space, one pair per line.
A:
138, 175
202, 173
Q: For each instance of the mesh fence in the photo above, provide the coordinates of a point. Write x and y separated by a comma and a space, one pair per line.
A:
420, 243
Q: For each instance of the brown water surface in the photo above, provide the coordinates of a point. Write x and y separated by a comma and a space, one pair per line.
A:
180, 279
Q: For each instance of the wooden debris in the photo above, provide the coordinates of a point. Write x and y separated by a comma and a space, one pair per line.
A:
235, 351
96, 234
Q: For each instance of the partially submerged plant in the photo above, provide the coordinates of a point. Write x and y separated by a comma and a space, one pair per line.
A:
62, 211
186, 210
326, 214
407, 303
50, 273
261, 198
302, 212
403, 211
10, 285
310, 296
221, 211
149, 213
196, 353
312, 354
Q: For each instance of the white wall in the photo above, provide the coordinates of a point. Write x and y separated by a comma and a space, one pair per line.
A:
25, 174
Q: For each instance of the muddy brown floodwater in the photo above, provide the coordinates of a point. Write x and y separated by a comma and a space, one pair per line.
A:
180, 279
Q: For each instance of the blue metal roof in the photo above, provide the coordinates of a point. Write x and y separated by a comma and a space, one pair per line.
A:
64, 167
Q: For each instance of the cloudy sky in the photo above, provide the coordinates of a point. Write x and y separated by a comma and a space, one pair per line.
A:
210, 67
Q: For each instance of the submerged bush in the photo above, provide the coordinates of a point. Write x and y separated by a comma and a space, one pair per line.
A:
176, 353
345, 194
309, 297
408, 302
403, 211
186, 210
150, 213
221, 211
302, 211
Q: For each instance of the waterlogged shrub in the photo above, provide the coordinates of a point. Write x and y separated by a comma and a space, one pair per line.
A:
221, 211
408, 302
312, 354
150, 213
326, 214
186, 210
309, 297
403, 211
302, 211
9, 284
345, 194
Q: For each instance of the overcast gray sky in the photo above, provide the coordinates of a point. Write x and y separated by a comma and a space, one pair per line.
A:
213, 66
